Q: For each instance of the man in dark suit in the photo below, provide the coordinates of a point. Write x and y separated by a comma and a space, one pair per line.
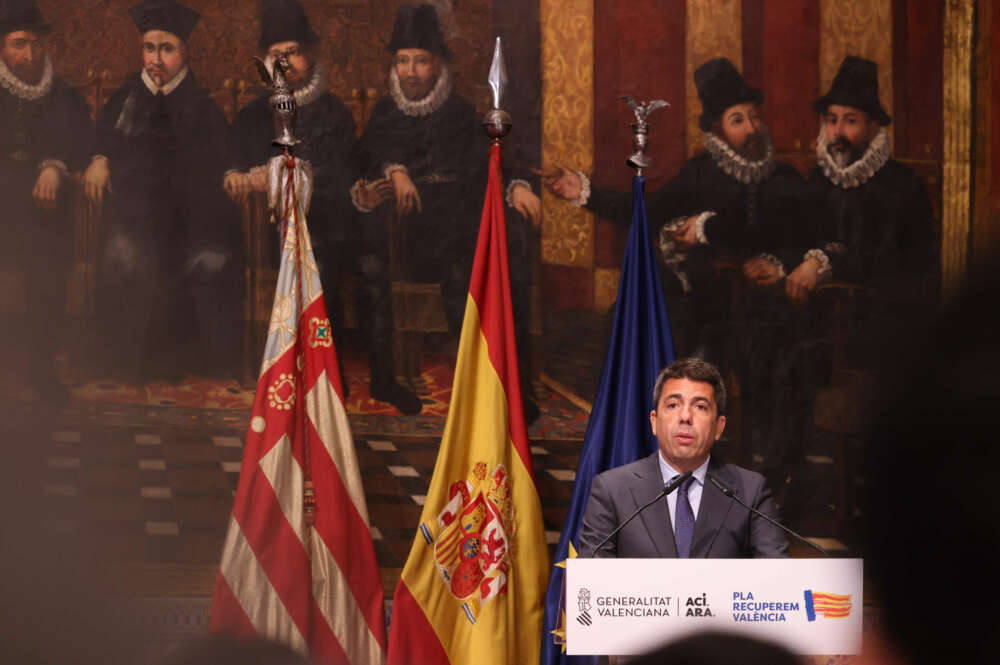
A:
697, 520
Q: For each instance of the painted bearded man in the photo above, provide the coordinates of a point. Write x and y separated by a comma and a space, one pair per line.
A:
45, 132
876, 224
732, 204
170, 270
326, 129
429, 142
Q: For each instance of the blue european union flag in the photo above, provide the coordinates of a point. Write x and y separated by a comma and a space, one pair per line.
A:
618, 431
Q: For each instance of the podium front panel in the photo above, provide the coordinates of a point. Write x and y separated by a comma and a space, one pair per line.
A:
631, 606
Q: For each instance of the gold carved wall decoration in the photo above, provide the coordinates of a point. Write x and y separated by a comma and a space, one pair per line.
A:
956, 199
567, 28
713, 30
862, 28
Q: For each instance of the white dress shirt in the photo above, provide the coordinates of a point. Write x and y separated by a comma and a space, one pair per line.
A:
694, 492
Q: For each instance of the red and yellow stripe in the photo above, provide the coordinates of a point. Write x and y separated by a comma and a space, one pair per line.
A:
485, 424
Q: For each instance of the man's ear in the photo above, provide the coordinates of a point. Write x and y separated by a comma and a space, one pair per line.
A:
720, 425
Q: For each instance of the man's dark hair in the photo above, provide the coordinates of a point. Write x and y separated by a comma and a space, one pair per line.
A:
693, 369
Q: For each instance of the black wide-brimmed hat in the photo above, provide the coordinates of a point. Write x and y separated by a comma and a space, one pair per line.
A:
720, 85
284, 21
856, 85
22, 15
165, 15
417, 26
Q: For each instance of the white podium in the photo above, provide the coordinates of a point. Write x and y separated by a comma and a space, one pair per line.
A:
632, 606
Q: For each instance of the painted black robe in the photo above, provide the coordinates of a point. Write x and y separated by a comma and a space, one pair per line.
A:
446, 153
170, 289
38, 243
766, 217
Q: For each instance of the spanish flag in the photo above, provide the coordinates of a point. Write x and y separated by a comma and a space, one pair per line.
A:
473, 587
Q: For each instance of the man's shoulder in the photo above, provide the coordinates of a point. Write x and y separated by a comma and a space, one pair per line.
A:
734, 474
628, 471
456, 103
129, 85
331, 106
193, 87
898, 171
786, 170
131, 82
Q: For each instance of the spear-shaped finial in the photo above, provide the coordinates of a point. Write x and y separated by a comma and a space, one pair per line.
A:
498, 74
497, 122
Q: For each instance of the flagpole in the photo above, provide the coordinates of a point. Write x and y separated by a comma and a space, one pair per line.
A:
639, 347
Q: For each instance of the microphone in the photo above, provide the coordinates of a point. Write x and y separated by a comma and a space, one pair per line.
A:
732, 495
667, 489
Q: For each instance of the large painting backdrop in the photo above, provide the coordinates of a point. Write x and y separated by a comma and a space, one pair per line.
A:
570, 61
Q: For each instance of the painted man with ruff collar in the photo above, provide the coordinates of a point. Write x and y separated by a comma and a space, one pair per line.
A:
326, 128
876, 223
45, 133
170, 270
732, 205
429, 142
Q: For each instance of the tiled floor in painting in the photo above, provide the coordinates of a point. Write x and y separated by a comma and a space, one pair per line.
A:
163, 494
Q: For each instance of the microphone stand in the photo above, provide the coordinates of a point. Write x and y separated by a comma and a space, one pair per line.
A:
732, 495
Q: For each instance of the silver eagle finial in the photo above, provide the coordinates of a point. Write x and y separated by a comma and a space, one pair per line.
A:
640, 130
284, 109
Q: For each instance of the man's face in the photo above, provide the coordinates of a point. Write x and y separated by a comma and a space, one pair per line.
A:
686, 422
300, 64
743, 130
418, 71
163, 55
849, 131
24, 54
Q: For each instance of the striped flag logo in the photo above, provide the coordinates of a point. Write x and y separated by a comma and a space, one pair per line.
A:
829, 605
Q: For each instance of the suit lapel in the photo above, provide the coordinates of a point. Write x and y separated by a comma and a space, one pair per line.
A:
712, 511
656, 518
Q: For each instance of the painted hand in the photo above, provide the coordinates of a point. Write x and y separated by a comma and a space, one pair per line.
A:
97, 179
561, 181
802, 281
761, 272
407, 196
238, 186
371, 194
47, 187
527, 203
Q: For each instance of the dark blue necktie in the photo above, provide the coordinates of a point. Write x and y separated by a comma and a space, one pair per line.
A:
684, 520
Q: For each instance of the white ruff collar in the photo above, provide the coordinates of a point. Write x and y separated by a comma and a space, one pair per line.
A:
26, 91
747, 171
167, 87
859, 172
310, 92
429, 104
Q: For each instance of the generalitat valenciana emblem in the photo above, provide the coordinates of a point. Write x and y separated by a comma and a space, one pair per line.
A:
471, 538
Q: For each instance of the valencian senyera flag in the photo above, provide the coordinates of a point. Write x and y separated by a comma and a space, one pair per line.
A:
473, 585
298, 564
618, 431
